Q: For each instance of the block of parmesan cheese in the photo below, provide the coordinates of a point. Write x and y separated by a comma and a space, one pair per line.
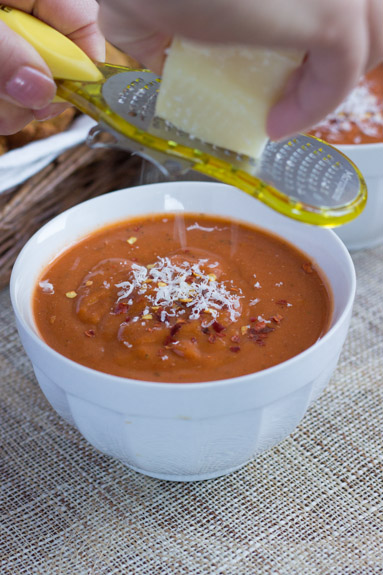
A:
222, 94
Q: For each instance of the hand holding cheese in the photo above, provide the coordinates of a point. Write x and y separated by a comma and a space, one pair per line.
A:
26, 84
222, 94
342, 39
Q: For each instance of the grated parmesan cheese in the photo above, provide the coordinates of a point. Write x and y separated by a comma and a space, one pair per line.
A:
264, 320
47, 287
361, 109
168, 286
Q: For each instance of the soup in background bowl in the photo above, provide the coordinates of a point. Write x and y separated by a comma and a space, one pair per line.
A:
183, 431
356, 129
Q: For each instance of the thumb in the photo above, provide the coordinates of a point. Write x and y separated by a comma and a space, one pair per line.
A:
25, 79
134, 37
312, 92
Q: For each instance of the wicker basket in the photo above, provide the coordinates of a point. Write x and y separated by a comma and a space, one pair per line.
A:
78, 174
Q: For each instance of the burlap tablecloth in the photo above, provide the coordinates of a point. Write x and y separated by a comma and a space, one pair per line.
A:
312, 505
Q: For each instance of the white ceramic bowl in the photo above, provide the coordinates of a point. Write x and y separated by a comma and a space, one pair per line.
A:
193, 431
366, 231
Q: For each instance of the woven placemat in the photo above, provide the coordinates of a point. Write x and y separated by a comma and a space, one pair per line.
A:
312, 505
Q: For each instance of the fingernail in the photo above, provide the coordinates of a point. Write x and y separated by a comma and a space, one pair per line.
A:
31, 88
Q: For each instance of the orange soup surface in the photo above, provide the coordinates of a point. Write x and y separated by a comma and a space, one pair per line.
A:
181, 299
359, 120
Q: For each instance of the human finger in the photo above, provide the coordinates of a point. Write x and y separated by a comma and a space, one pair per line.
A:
76, 19
375, 27
50, 111
13, 118
134, 37
313, 91
25, 79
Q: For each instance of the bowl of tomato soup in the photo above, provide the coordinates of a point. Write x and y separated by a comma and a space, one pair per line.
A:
356, 128
182, 327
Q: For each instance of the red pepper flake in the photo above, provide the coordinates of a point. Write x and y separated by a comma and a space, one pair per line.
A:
89, 333
218, 327
235, 338
173, 330
277, 318
211, 338
193, 340
308, 267
235, 348
282, 302
260, 328
127, 319
120, 308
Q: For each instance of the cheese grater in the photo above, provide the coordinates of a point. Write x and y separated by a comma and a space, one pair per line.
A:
303, 177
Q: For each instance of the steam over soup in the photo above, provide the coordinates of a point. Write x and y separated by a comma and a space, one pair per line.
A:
181, 299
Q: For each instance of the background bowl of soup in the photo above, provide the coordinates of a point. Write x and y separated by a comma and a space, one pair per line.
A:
366, 231
195, 430
356, 129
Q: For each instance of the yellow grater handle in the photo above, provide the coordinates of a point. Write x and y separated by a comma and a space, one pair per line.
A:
64, 58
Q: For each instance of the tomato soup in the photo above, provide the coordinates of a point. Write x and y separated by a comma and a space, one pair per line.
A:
181, 299
359, 120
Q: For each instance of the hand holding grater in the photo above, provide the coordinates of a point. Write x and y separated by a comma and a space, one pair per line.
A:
303, 178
